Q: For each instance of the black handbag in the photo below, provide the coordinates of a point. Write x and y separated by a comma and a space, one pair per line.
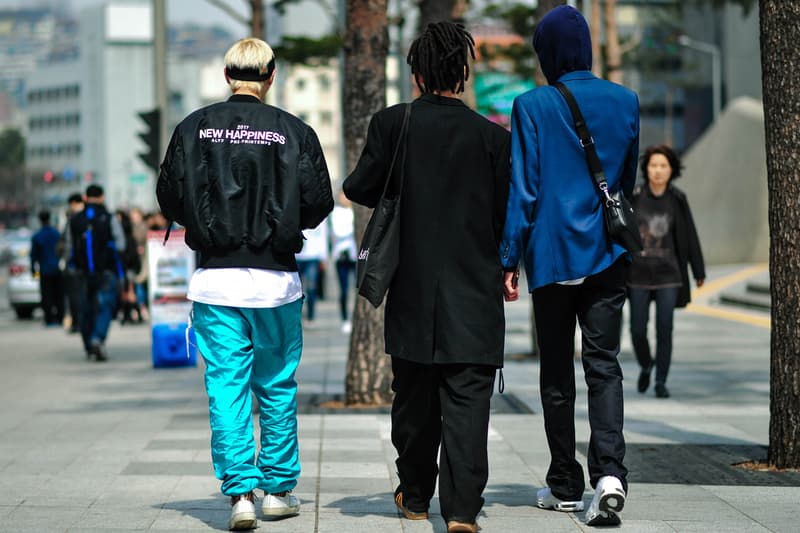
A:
621, 223
379, 253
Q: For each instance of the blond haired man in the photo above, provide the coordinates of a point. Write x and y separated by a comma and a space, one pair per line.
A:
245, 179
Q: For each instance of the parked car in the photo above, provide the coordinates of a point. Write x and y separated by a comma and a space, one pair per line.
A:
24, 294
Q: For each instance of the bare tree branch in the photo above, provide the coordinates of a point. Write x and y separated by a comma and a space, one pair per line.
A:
235, 15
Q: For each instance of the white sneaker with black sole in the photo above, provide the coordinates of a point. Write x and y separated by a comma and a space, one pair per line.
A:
546, 500
280, 505
608, 501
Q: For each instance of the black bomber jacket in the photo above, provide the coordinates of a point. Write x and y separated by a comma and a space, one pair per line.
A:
244, 179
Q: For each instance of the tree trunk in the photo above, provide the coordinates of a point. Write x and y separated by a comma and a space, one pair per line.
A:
596, 31
366, 44
542, 8
613, 53
257, 18
435, 11
780, 55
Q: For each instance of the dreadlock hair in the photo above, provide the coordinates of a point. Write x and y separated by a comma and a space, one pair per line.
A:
440, 57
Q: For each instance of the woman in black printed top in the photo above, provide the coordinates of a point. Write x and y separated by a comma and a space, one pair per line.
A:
659, 272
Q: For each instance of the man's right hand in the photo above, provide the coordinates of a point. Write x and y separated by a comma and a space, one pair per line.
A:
511, 286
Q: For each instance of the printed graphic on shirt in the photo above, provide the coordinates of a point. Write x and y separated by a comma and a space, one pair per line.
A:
242, 135
656, 228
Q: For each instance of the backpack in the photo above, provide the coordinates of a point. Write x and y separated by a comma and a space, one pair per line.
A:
92, 240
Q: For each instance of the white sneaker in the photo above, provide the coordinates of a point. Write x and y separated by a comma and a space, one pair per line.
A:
280, 505
347, 327
608, 501
243, 512
546, 500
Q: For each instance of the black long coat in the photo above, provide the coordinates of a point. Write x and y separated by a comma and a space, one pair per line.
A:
445, 303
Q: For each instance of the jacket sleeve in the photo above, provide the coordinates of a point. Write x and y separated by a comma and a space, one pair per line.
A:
502, 177
695, 253
171, 181
524, 186
316, 197
632, 157
365, 184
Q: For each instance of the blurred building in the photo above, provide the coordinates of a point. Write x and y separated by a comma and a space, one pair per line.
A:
675, 81
29, 38
82, 112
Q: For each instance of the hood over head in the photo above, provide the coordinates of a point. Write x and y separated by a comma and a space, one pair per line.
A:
563, 43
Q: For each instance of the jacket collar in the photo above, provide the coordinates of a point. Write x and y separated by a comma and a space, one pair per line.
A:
578, 75
244, 98
441, 100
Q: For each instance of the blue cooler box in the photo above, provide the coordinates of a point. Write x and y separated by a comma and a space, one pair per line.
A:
169, 346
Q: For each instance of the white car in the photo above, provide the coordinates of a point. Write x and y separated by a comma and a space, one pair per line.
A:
24, 294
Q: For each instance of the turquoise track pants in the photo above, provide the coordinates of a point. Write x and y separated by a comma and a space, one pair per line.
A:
258, 350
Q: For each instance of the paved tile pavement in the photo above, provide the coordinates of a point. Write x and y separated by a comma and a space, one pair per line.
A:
124, 447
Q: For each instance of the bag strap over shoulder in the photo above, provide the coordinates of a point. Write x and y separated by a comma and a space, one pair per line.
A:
401, 141
587, 142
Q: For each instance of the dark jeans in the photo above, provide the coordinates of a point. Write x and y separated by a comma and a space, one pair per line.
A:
447, 404
640, 310
98, 303
344, 270
52, 289
308, 269
597, 306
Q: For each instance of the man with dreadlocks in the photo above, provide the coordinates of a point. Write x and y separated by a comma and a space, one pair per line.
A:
444, 323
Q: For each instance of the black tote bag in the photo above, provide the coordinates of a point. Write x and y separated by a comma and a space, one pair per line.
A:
379, 253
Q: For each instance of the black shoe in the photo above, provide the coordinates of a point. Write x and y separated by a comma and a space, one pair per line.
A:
98, 350
661, 391
644, 379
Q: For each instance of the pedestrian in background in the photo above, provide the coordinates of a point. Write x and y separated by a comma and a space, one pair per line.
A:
659, 272
131, 263
44, 266
72, 282
245, 179
343, 250
139, 227
95, 241
555, 225
311, 262
445, 321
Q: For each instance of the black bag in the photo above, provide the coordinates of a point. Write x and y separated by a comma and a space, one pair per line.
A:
380, 246
621, 223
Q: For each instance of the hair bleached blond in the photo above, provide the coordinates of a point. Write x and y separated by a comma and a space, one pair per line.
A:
248, 53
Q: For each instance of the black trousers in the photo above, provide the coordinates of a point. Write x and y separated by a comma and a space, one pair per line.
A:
52, 289
597, 306
665, 299
447, 404
74, 283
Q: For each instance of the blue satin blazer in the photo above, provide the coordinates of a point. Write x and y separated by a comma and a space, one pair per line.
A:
554, 220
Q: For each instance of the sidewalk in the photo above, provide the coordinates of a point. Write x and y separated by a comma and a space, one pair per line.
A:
123, 447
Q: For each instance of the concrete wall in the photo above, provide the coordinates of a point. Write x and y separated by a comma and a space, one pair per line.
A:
725, 178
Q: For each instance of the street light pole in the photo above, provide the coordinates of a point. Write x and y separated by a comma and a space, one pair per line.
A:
160, 67
716, 67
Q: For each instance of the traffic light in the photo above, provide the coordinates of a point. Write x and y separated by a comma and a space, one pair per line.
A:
151, 138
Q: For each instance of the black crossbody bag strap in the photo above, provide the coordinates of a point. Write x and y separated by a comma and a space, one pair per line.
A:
401, 141
587, 142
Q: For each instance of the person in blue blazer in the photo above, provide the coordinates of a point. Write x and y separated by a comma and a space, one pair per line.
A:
555, 225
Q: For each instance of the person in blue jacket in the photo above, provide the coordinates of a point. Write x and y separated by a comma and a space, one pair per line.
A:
575, 273
44, 265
